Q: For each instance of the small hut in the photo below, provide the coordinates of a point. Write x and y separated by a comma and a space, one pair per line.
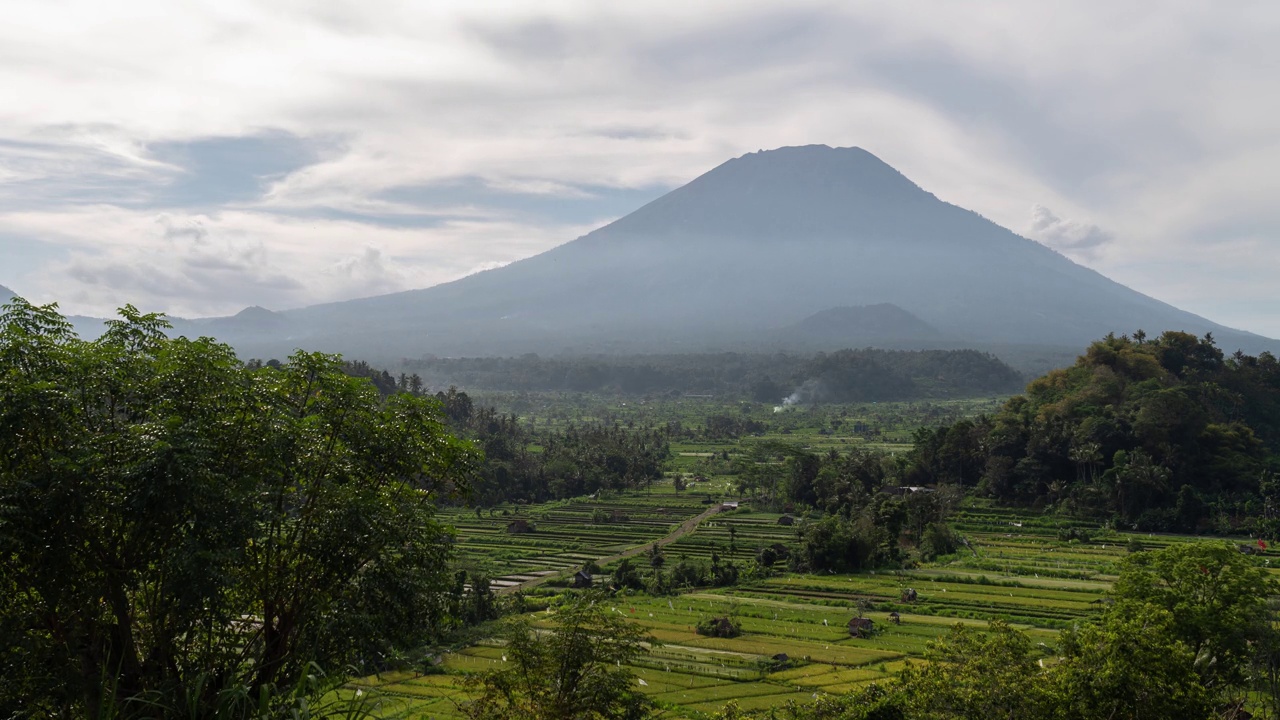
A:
895, 618
786, 520
860, 627
520, 525
909, 595
721, 627
582, 579
781, 657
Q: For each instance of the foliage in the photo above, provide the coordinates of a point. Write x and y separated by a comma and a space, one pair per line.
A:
1129, 664
576, 461
193, 529
1160, 433
843, 376
972, 675
627, 575
841, 545
937, 540
573, 673
721, 627
1216, 599
1178, 641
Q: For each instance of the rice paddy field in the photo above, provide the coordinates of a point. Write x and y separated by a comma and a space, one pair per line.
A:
1017, 566
1017, 569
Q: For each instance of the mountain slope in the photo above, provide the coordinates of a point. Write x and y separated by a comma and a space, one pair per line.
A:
762, 241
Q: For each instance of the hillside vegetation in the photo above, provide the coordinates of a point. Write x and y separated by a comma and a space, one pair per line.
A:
842, 376
1163, 434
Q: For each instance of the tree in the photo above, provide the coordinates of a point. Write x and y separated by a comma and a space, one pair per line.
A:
656, 557
627, 575
1129, 665
179, 529
576, 672
971, 675
1215, 596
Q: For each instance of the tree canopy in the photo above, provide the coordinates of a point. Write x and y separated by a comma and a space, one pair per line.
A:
1166, 434
178, 529
573, 672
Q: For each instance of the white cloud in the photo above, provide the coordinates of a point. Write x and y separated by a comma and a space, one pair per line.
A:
1069, 236
218, 264
1155, 125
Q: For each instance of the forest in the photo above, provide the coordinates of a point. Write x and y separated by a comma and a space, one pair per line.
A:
1163, 434
189, 535
843, 376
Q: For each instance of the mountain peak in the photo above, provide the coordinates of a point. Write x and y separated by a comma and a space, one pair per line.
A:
817, 188
255, 311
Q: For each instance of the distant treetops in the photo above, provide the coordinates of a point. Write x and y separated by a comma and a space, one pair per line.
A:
1163, 434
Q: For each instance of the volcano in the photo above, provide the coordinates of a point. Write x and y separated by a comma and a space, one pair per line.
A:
736, 257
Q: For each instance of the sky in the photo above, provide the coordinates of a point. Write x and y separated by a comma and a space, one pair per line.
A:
200, 157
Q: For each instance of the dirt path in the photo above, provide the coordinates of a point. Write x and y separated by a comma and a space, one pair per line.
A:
685, 528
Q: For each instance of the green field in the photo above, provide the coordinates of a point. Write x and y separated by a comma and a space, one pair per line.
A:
1016, 567
1017, 570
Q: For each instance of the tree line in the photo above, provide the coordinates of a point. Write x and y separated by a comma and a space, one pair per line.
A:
843, 376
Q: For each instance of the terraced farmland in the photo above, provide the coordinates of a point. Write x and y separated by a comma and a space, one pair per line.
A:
1016, 569
566, 534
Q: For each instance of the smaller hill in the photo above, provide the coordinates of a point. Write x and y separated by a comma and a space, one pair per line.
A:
254, 319
862, 325
1166, 434
253, 322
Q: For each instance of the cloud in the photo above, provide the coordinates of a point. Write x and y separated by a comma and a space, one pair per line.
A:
218, 263
448, 136
1069, 236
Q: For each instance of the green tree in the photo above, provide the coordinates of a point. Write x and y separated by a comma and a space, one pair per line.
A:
1216, 597
573, 673
178, 529
1130, 665
972, 675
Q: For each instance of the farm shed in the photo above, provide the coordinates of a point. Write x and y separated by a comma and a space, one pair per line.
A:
582, 579
860, 627
786, 520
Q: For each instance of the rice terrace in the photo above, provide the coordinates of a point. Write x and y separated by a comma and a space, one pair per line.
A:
1039, 573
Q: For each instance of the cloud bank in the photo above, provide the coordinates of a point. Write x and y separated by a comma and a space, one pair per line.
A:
201, 157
